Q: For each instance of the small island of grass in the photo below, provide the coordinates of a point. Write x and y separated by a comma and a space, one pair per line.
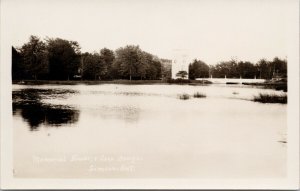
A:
271, 98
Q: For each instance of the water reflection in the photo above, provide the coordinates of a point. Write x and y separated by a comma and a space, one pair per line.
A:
27, 103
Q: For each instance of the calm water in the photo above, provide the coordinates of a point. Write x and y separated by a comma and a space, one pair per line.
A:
146, 131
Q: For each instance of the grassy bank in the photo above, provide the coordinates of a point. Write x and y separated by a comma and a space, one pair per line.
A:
95, 82
271, 85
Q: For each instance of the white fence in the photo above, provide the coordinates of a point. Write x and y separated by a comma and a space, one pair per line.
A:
232, 80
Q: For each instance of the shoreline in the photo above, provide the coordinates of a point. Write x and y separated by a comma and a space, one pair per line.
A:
270, 85
96, 82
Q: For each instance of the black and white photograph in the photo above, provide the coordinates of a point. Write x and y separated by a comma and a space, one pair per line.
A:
127, 93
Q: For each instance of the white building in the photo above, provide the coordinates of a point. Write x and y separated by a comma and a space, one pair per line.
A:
180, 62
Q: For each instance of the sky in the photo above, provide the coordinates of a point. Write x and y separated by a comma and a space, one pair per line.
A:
209, 30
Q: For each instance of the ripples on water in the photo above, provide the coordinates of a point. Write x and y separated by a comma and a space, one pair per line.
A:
54, 106
222, 135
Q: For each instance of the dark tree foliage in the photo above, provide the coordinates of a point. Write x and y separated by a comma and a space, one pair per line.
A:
150, 67
133, 63
243, 69
91, 66
279, 66
182, 74
17, 66
128, 58
246, 70
34, 58
166, 68
264, 72
228, 69
64, 58
59, 59
198, 69
107, 58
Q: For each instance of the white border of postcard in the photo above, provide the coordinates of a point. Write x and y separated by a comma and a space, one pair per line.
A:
290, 182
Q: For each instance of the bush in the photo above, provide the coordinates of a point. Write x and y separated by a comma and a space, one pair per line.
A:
178, 81
270, 98
184, 96
199, 95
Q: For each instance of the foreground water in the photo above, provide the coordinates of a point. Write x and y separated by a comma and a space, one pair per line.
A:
146, 131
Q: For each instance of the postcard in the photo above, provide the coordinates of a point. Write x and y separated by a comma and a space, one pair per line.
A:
160, 94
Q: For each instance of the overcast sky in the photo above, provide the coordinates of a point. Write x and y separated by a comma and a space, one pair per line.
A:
210, 30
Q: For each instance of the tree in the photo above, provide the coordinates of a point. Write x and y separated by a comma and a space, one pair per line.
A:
64, 58
91, 66
246, 69
17, 66
198, 69
115, 70
232, 69
107, 57
158, 68
182, 74
35, 57
128, 59
166, 68
262, 68
279, 67
133, 63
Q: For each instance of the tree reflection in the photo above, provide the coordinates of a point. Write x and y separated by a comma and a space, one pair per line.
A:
27, 103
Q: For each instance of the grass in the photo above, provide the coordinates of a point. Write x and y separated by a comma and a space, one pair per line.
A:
199, 95
271, 98
88, 82
281, 85
187, 81
95, 82
184, 96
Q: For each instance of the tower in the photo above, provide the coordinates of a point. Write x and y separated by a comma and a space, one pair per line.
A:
180, 62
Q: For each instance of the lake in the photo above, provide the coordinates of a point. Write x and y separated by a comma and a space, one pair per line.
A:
146, 131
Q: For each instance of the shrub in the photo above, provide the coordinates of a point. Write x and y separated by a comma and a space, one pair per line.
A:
178, 81
199, 95
184, 96
270, 98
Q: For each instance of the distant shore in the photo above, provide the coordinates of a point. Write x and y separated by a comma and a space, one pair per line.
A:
267, 84
95, 82
272, 85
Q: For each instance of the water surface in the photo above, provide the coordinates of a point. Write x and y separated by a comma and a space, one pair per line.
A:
146, 131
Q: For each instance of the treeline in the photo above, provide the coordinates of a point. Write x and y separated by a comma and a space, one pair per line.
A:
59, 59
263, 69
